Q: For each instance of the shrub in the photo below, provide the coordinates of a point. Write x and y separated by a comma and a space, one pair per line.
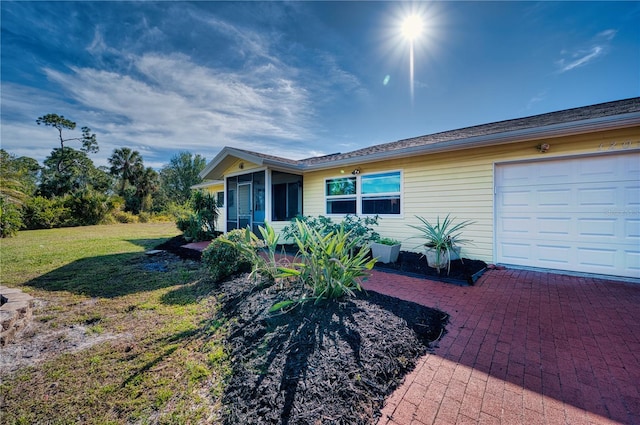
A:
44, 213
10, 219
223, 258
87, 208
145, 217
356, 227
124, 217
199, 225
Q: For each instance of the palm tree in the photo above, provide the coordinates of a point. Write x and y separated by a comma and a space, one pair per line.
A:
146, 182
11, 186
125, 164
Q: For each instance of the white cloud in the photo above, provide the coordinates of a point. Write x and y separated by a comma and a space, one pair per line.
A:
161, 103
584, 56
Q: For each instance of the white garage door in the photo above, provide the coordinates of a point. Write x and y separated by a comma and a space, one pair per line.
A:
571, 214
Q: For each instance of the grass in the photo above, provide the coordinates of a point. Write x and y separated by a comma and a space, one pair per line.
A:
152, 348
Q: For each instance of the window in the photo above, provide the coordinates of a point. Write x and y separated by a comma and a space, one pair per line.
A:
381, 193
286, 193
220, 199
341, 195
366, 194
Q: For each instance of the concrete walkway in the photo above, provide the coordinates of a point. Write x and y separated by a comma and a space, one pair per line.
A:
523, 347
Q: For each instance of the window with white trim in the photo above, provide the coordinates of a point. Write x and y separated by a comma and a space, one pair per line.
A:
341, 195
369, 194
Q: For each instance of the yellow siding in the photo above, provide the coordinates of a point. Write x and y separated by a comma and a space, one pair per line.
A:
460, 183
240, 166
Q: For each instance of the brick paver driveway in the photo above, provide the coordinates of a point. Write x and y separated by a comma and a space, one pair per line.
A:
523, 347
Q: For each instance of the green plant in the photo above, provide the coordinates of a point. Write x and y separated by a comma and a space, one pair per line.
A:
331, 265
357, 227
223, 257
443, 237
44, 213
10, 219
388, 241
200, 225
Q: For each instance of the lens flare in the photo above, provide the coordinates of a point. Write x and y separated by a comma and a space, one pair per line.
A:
412, 27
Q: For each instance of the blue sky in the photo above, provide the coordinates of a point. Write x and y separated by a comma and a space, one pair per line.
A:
298, 79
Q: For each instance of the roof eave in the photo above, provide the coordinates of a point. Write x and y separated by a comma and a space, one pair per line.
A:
536, 133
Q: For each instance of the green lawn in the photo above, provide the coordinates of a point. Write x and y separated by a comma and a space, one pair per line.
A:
150, 348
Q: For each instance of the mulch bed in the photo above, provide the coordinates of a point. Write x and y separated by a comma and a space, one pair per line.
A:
462, 272
334, 362
329, 363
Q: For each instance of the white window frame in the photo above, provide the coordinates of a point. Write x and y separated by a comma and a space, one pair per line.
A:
360, 197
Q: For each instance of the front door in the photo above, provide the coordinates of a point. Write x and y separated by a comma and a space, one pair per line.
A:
244, 205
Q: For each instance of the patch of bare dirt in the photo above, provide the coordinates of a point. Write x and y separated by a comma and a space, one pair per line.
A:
38, 342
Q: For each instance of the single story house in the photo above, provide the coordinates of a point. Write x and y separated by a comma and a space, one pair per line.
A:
557, 191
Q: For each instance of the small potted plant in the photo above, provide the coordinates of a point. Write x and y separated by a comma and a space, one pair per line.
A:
386, 250
443, 240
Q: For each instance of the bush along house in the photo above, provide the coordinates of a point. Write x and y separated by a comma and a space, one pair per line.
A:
558, 191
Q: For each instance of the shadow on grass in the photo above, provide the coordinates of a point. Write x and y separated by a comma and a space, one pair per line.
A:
111, 276
188, 294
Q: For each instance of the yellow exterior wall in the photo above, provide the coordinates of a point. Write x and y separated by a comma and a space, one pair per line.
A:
460, 183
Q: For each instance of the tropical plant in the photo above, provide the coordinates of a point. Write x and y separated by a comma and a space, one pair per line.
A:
443, 237
261, 252
200, 225
357, 227
126, 164
332, 265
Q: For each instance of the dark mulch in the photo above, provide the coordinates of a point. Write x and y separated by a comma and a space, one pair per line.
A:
328, 363
462, 272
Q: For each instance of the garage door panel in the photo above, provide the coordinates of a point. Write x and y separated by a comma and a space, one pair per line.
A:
556, 226
554, 197
632, 259
632, 229
632, 198
579, 214
516, 225
598, 227
515, 251
598, 196
597, 257
554, 254
516, 198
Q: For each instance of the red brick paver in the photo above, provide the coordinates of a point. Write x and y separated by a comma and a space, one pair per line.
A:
523, 347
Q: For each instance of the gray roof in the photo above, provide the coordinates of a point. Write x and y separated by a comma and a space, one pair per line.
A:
514, 126
603, 116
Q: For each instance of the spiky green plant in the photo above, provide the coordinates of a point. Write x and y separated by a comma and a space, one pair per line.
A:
443, 236
332, 265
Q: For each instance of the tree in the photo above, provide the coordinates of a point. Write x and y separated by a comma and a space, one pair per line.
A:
76, 173
146, 183
17, 184
17, 177
182, 172
126, 164
59, 122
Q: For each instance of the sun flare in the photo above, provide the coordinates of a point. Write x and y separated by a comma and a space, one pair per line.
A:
412, 27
